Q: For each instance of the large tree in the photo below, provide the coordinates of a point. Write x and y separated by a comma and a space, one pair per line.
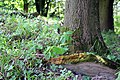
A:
82, 16
106, 15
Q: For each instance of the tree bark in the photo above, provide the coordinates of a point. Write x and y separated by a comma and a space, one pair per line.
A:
106, 15
25, 6
82, 16
40, 7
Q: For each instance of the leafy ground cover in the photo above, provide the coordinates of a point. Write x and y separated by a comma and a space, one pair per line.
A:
25, 42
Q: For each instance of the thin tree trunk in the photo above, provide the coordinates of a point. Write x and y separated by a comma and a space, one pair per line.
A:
46, 11
25, 6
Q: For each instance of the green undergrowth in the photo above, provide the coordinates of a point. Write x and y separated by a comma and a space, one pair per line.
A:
112, 41
24, 43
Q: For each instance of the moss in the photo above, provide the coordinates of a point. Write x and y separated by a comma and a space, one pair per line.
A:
83, 57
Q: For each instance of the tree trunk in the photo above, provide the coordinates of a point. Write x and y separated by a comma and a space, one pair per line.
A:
25, 6
106, 15
47, 7
82, 16
41, 8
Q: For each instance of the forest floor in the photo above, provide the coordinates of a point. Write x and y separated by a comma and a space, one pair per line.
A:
26, 44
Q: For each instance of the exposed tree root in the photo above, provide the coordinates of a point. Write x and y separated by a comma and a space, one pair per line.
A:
88, 64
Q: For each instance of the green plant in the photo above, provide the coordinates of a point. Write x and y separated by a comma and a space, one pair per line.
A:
64, 74
112, 41
60, 46
21, 38
118, 78
117, 24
